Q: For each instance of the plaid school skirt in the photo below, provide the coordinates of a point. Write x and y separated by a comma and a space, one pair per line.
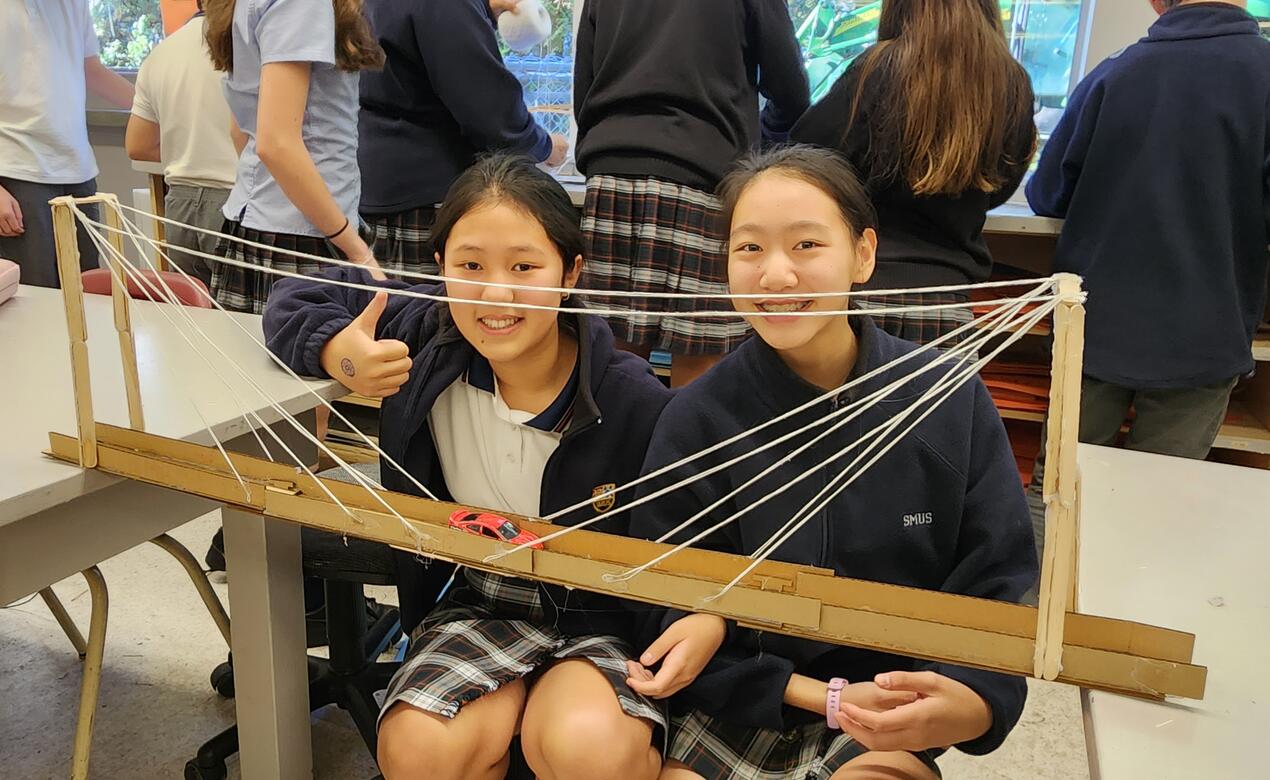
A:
718, 750
649, 235
245, 289
403, 240
919, 327
492, 630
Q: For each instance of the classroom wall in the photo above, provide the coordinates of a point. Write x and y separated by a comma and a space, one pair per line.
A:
116, 175
1113, 25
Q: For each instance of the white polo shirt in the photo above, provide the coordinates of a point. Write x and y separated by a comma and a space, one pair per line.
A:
43, 125
493, 456
180, 91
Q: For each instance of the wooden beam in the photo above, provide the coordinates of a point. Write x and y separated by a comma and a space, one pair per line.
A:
67, 247
1058, 556
799, 601
123, 317
996, 616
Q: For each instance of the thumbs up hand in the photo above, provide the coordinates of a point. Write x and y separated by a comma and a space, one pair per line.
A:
362, 363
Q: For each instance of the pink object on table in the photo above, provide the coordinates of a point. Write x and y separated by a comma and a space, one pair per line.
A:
9, 275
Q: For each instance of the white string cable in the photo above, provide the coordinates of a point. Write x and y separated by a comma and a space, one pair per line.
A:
282, 364
1017, 302
241, 482
618, 313
774, 544
928, 347
964, 351
582, 291
113, 256
127, 266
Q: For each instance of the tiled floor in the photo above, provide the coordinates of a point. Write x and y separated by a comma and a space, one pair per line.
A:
156, 705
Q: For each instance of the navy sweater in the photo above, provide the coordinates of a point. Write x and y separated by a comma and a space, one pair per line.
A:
944, 510
670, 88
1159, 166
923, 240
617, 405
443, 97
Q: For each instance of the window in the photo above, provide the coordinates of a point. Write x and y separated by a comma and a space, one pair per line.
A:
126, 30
546, 73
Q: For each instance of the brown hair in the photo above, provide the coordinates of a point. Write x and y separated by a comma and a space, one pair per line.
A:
958, 97
355, 45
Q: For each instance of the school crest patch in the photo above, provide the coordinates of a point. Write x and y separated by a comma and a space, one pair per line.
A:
603, 503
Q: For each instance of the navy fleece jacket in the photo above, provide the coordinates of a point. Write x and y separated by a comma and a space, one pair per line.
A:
617, 405
443, 98
1160, 167
944, 511
670, 89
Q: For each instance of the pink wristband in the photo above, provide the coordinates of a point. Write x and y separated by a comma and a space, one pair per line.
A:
832, 697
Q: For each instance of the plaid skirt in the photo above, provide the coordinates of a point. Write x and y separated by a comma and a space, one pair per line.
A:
244, 289
492, 630
717, 750
649, 235
403, 240
919, 327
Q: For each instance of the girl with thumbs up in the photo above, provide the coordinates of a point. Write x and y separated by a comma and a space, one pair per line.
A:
525, 411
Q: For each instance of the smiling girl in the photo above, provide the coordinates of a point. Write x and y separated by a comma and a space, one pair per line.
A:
519, 410
943, 510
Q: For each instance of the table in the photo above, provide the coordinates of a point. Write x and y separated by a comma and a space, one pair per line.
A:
56, 520
1180, 543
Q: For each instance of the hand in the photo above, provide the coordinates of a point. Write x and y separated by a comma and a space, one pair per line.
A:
498, 6
559, 151
10, 215
945, 713
356, 250
363, 364
869, 696
683, 649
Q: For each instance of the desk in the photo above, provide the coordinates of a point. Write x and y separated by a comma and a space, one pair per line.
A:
56, 520
1183, 544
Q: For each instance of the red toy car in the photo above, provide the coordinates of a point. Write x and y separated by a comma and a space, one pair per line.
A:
491, 526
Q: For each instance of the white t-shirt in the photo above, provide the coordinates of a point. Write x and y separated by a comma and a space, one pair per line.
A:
493, 456
180, 91
43, 125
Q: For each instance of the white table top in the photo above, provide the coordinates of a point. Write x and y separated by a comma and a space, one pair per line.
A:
145, 166
1181, 544
37, 396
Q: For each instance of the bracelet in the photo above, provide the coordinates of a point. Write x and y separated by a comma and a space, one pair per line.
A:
341, 230
832, 697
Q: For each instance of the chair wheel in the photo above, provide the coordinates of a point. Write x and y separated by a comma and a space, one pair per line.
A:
223, 682
193, 771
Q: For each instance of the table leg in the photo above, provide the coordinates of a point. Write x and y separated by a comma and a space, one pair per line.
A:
91, 682
64, 620
266, 599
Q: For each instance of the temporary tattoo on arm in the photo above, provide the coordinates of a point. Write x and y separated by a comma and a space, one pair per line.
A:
346, 366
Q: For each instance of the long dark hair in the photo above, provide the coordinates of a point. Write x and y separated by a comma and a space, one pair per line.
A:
824, 169
355, 45
957, 93
516, 180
